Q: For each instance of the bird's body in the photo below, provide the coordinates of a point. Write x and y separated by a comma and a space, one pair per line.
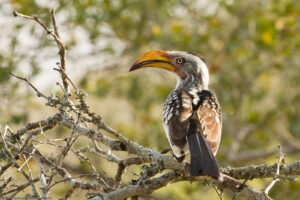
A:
188, 122
192, 115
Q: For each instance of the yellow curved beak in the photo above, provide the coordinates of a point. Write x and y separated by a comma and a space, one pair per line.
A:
157, 59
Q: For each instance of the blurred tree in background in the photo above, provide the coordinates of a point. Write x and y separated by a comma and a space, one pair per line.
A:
252, 49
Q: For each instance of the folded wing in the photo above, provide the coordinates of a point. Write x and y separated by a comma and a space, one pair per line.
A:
177, 113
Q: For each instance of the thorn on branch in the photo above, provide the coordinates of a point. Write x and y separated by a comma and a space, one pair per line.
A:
52, 12
39, 94
63, 73
220, 194
276, 177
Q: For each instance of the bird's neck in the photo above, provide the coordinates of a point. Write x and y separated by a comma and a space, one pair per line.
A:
193, 85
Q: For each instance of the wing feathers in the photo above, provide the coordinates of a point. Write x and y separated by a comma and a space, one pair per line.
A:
210, 120
177, 111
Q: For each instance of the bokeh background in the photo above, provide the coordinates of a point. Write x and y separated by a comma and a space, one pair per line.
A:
252, 49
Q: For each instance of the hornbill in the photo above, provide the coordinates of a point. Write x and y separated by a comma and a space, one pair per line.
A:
192, 115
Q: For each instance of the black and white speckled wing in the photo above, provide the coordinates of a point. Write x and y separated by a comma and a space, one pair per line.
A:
177, 112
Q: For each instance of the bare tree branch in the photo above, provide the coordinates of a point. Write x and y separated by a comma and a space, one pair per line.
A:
56, 37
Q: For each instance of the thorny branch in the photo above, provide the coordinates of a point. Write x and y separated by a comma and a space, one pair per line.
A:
56, 37
23, 148
276, 177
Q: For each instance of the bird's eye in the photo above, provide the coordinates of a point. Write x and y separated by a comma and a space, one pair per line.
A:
179, 60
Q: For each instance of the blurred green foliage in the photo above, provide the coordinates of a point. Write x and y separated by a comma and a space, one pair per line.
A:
252, 48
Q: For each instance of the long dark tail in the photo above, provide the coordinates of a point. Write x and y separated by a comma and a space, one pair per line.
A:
203, 162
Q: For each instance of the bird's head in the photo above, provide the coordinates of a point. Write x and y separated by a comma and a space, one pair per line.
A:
190, 68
